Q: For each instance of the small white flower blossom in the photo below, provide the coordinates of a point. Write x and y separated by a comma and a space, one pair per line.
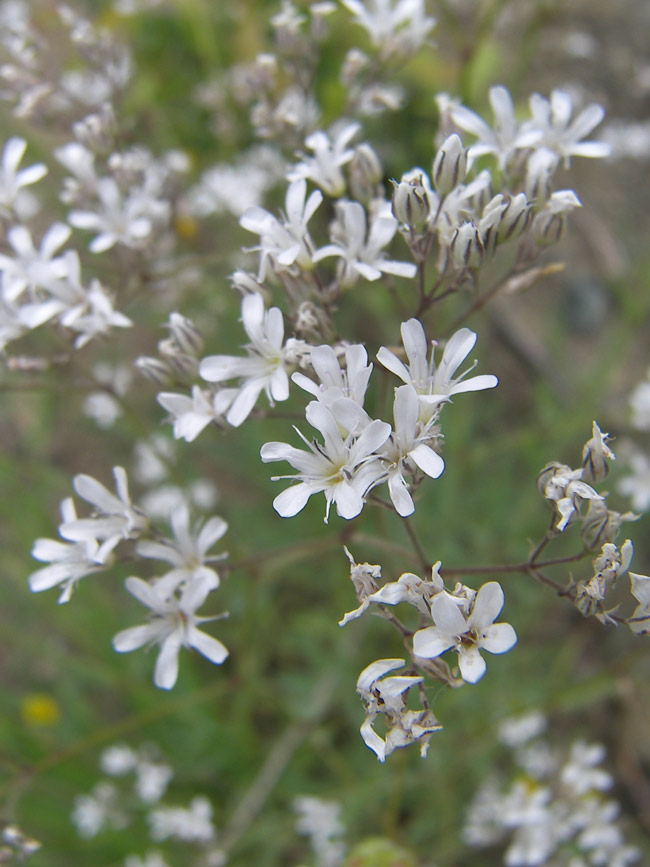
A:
467, 635
13, 180
98, 810
118, 760
69, 561
151, 858
434, 385
173, 624
640, 405
396, 26
335, 383
580, 774
152, 779
286, 243
408, 449
324, 168
33, 269
188, 552
321, 822
94, 316
344, 469
115, 517
563, 133
265, 367
361, 249
191, 415
507, 135
191, 824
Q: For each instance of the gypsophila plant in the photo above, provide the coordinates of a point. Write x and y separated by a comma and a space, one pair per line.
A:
281, 273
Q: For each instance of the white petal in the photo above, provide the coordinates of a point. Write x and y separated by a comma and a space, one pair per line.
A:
293, 500
447, 615
487, 605
166, 671
207, 646
431, 642
499, 638
135, 637
472, 665
399, 494
427, 460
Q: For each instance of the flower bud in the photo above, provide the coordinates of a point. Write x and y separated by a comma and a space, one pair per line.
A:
366, 173
183, 365
155, 370
595, 455
449, 165
186, 334
411, 203
515, 218
467, 247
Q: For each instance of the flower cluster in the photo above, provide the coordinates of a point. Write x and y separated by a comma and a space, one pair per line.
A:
463, 620
555, 810
173, 598
113, 805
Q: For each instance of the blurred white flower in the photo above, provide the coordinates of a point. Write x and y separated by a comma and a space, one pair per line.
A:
12, 180
265, 367
172, 625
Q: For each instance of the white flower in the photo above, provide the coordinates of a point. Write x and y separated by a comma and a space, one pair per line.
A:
191, 825
264, 369
118, 760
362, 250
69, 562
172, 626
151, 858
434, 385
94, 316
192, 414
467, 635
560, 131
188, 552
152, 779
115, 518
285, 243
33, 269
99, 809
580, 774
335, 383
408, 449
640, 406
341, 468
399, 26
324, 168
505, 137
117, 219
11, 180
321, 822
